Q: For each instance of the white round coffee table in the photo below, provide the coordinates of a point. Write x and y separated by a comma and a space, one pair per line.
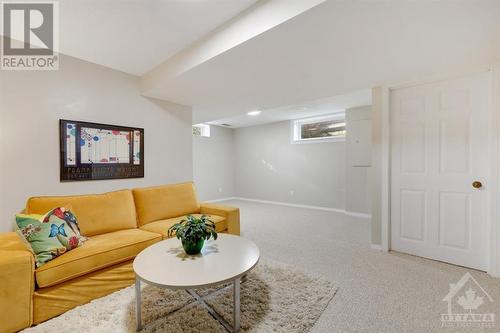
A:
166, 265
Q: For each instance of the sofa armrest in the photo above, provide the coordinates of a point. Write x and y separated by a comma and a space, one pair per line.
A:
232, 215
16, 289
12, 241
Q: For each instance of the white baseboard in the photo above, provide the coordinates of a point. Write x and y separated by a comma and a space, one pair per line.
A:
219, 200
376, 247
362, 215
336, 210
328, 209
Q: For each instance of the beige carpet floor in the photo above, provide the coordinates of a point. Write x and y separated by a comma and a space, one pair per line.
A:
275, 297
379, 292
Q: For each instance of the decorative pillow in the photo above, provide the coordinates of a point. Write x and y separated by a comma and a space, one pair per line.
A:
64, 213
20, 234
49, 236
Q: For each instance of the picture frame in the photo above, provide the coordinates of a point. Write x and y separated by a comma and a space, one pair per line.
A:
94, 151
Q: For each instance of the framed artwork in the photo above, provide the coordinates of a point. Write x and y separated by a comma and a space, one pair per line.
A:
91, 151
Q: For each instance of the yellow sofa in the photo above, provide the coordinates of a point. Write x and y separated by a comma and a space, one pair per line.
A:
118, 225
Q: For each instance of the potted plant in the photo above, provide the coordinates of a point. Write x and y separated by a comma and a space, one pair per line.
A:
193, 231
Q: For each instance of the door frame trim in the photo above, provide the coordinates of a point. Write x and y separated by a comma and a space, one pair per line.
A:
493, 215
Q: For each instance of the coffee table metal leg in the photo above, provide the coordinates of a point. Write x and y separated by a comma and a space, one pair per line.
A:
236, 308
138, 303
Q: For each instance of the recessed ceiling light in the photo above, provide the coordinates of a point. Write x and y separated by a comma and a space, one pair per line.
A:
254, 113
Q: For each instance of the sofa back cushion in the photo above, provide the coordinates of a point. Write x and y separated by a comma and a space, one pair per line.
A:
164, 202
96, 213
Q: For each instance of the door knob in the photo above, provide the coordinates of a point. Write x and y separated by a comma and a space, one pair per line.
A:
477, 184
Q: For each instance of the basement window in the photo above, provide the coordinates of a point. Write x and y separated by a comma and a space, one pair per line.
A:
330, 128
201, 130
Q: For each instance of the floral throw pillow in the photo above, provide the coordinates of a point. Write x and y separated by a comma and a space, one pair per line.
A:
49, 236
70, 218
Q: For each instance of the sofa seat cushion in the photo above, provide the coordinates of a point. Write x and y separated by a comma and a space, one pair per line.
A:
96, 253
161, 227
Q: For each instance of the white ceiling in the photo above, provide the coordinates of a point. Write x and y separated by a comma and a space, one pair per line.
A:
258, 19
328, 49
307, 109
338, 47
134, 36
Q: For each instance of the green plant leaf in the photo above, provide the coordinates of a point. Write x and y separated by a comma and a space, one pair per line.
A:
192, 229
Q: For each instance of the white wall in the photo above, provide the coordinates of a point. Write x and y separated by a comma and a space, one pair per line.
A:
377, 168
259, 162
31, 104
269, 167
214, 164
358, 161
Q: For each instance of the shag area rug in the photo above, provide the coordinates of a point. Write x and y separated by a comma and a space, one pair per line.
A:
274, 298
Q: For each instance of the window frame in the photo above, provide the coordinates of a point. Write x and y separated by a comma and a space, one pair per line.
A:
296, 124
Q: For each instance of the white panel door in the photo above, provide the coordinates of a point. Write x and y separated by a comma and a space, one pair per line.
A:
439, 147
